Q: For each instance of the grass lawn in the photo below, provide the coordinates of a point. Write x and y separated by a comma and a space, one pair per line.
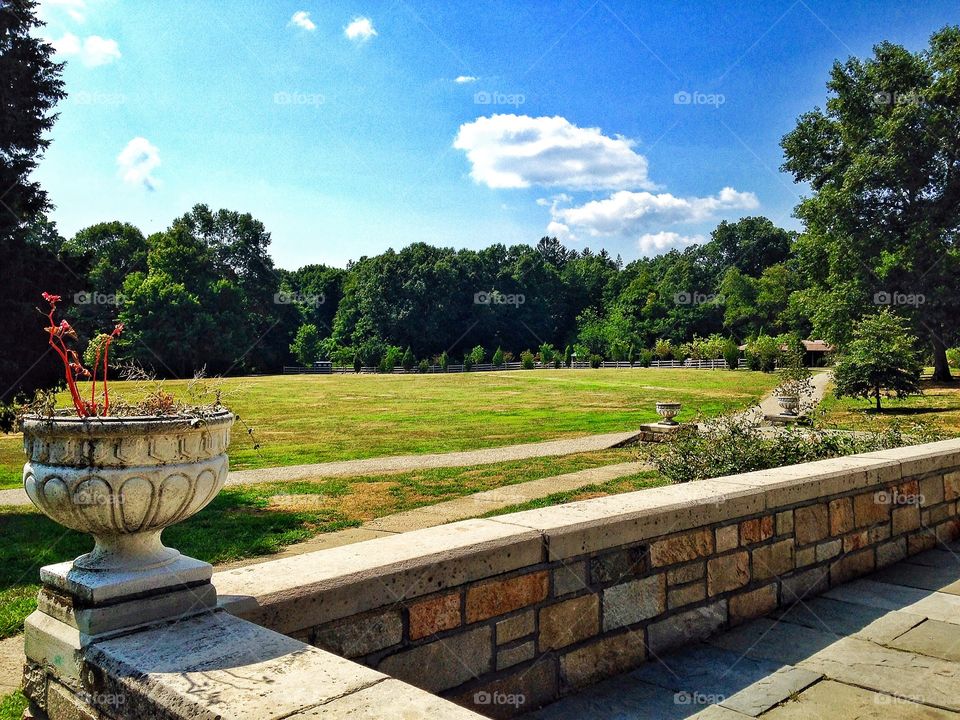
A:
939, 406
12, 706
246, 521
302, 419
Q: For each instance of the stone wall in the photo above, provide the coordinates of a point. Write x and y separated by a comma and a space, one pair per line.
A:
505, 614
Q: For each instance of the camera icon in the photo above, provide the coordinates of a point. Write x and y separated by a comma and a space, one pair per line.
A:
881, 298
482, 697
682, 298
482, 298
482, 97
682, 698
682, 98
82, 298
882, 98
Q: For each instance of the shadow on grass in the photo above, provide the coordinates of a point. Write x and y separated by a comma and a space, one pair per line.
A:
237, 524
905, 412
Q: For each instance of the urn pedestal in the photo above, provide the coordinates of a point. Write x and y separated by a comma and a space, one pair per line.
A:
122, 480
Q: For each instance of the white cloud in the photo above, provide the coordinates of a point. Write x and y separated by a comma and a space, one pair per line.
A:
92, 50
76, 9
664, 241
360, 29
301, 18
628, 214
137, 162
463, 79
517, 151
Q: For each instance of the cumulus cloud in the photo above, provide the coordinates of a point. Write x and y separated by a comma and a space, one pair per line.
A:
76, 9
137, 162
664, 241
629, 214
301, 18
360, 29
518, 151
463, 79
92, 51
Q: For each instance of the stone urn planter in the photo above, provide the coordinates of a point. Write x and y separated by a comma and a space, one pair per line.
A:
668, 411
124, 479
789, 404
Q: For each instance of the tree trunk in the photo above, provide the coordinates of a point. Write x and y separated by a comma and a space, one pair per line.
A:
941, 368
876, 394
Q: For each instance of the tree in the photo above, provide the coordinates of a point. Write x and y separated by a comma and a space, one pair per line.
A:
408, 360
883, 162
478, 354
881, 360
306, 345
567, 356
30, 88
498, 357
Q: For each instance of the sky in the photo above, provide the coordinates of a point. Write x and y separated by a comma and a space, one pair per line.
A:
352, 127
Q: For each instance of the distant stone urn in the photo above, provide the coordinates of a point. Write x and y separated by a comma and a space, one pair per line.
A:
124, 479
789, 404
668, 411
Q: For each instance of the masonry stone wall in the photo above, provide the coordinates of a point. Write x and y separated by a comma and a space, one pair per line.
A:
506, 614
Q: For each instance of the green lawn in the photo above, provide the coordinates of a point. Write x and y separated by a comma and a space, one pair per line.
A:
246, 521
320, 418
939, 406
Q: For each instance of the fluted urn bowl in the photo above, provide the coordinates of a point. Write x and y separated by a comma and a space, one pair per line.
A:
124, 479
789, 404
668, 411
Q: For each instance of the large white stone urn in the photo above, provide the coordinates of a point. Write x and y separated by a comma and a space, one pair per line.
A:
124, 479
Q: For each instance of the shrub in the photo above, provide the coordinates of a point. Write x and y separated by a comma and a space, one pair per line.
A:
953, 357
762, 353
663, 349
645, 358
391, 358
734, 444
526, 360
631, 354
477, 355
444, 361
467, 362
424, 366
508, 357
568, 356
682, 352
357, 364
498, 358
731, 353
547, 353
408, 360
881, 360
595, 361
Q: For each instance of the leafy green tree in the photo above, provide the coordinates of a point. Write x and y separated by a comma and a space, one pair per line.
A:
763, 352
444, 361
478, 355
306, 345
880, 360
526, 360
731, 353
883, 163
567, 356
31, 87
408, 360
547, 353
498, 357
663, 349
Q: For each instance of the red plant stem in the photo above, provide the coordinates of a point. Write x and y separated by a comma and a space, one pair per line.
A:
62, 352
106, 395
93, 390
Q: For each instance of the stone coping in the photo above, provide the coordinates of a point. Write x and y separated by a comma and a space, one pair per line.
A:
218, 666
339, 582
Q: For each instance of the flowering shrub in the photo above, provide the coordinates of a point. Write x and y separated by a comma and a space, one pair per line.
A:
73, 367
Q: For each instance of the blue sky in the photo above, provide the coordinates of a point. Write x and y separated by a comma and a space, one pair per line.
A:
351, 127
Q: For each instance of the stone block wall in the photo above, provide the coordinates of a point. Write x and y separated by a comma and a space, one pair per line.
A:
558, 598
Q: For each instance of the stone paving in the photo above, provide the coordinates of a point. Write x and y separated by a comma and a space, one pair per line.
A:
885, 646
